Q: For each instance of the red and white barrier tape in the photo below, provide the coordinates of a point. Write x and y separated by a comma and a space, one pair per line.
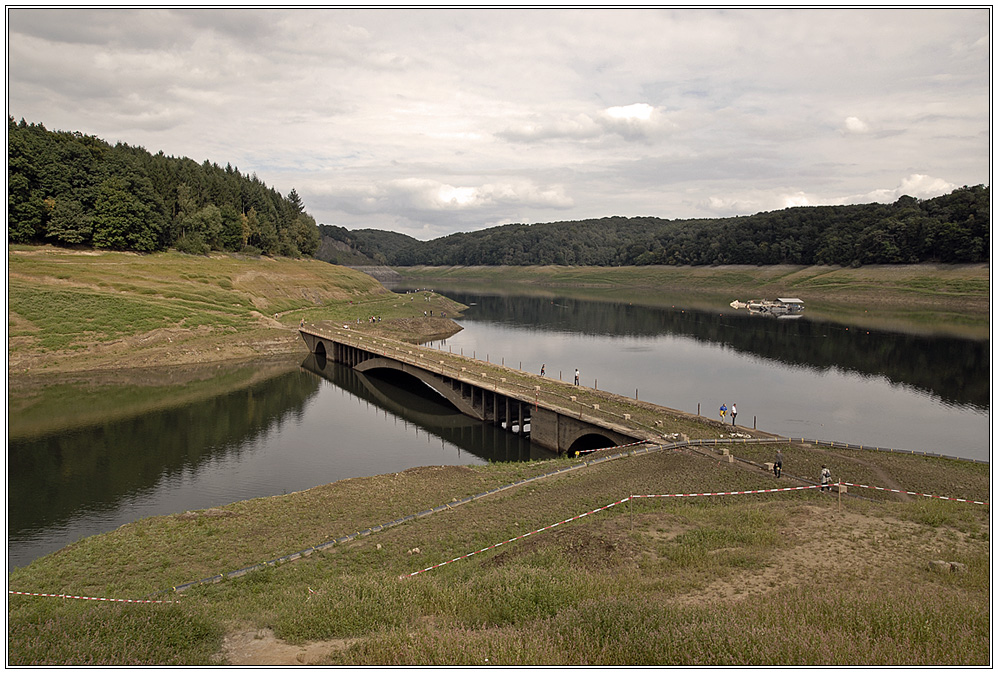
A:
600, 449
624, 500
728, 493
517, 538
915, 493
72, 596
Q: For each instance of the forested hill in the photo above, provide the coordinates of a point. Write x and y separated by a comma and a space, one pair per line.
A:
67, 188
953, 228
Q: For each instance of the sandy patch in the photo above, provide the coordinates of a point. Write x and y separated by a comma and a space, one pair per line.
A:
251, 648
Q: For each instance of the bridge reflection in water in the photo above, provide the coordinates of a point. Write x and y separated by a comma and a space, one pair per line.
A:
409, 399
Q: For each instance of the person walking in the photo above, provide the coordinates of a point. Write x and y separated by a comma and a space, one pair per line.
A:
826, 478
778, 463
542, 369
734, 413
723, 410
576, 376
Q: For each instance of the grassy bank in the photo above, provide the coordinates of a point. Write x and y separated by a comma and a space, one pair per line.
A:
86, 310
785, 578
954, 299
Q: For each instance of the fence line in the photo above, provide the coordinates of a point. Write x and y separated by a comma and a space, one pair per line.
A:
633, 449
72, 596
638, 496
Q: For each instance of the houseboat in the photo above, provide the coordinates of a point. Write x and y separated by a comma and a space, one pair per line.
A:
790, 307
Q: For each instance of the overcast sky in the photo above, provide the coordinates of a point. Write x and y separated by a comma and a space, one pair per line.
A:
431, 121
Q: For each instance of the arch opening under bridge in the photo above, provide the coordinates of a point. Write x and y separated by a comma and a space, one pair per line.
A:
410, 382
590, 442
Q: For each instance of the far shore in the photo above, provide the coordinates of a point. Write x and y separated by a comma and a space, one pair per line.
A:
922, 299
932, 299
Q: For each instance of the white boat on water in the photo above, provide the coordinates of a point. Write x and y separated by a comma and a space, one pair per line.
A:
783, 307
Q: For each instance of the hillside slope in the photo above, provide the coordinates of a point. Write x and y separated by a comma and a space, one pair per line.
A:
72, 310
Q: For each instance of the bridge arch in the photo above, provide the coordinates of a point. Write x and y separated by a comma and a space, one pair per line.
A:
588, 442
407, 380
433, 381
320, 349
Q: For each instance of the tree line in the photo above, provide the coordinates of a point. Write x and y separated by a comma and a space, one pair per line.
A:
953, 228
71, 189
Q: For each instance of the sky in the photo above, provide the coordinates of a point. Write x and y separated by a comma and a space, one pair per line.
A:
433, 121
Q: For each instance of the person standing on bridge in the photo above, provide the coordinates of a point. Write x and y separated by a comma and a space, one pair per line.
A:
734, 413
576, 376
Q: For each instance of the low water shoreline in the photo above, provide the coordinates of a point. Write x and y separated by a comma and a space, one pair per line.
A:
919, 299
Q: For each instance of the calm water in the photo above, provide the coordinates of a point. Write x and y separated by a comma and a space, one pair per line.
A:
794, 377
308, 425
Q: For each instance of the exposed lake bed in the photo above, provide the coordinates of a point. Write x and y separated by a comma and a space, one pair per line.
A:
241, 430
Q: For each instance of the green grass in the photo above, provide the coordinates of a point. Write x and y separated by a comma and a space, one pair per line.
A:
72, 318
64, 302
637, 584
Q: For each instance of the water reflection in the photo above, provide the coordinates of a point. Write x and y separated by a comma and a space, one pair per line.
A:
952, 369
95, 471
297, 427
408, 398
801, 378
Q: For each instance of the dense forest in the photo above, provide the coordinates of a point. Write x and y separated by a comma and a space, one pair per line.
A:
71, 189
953, 228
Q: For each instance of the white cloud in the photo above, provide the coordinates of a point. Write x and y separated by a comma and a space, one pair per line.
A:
915, 185
923, 186
856, 125
631, 122
635, 111
797, 199
574, 127
433, 119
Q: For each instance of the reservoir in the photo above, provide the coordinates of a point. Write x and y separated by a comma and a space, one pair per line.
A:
87, 454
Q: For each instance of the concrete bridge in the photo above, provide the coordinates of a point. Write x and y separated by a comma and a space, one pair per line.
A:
481, 395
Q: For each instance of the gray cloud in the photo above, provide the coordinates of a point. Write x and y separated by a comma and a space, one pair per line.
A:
432, 120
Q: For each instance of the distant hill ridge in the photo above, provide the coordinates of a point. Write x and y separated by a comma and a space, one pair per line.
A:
953, 228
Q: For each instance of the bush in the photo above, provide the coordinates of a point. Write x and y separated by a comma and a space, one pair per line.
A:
192, 244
